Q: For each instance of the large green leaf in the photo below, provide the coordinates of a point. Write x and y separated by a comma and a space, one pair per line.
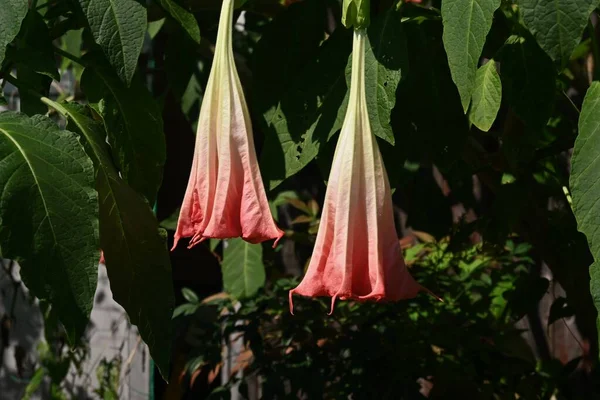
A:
528, 79
13, 12
585, 182
557, 25
466, 25
119, 27
135, 253
243, 269
49, 214
134, 125
185, 18
486, 97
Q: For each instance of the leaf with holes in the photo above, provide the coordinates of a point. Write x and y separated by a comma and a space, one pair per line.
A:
585, 182
486, 97
298, 96
119, 28
466, 25
243, 269
49, 214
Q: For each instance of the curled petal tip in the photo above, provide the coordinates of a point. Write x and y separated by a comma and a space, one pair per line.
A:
332, 304
291, 301
429, 292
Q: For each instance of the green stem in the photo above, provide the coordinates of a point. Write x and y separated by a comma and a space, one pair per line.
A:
595, 50
33, 4
571, 102
70, 56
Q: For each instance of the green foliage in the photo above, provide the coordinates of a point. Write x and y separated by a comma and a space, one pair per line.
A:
557, 25
298, 102
33, 56
486, 97
243, 270
585, 181
119, 28
184, 17
13, 12
456, 340
49, 214
137, 260
133, 124
466, 25
108, 374
385, 63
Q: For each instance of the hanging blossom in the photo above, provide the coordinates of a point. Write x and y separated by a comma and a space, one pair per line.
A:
357, 254
225, 196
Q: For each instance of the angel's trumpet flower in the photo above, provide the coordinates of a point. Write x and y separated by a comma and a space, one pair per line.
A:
357, 254
225, 196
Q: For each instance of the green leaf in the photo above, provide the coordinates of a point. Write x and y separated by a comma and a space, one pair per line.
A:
585, 182
13, 12
134, 125
71, 43
33, 48
49, 214
243, 269
298, 93
34, 383
119, 28
189, 295
385, 62
528, 79
185, 18
136, 255
154, 27
486, 97
557, 25
466, 25
33, 56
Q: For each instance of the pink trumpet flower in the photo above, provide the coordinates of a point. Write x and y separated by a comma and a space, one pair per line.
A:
357, 253
225, 196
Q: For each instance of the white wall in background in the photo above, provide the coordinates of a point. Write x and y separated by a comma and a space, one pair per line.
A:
109, 336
